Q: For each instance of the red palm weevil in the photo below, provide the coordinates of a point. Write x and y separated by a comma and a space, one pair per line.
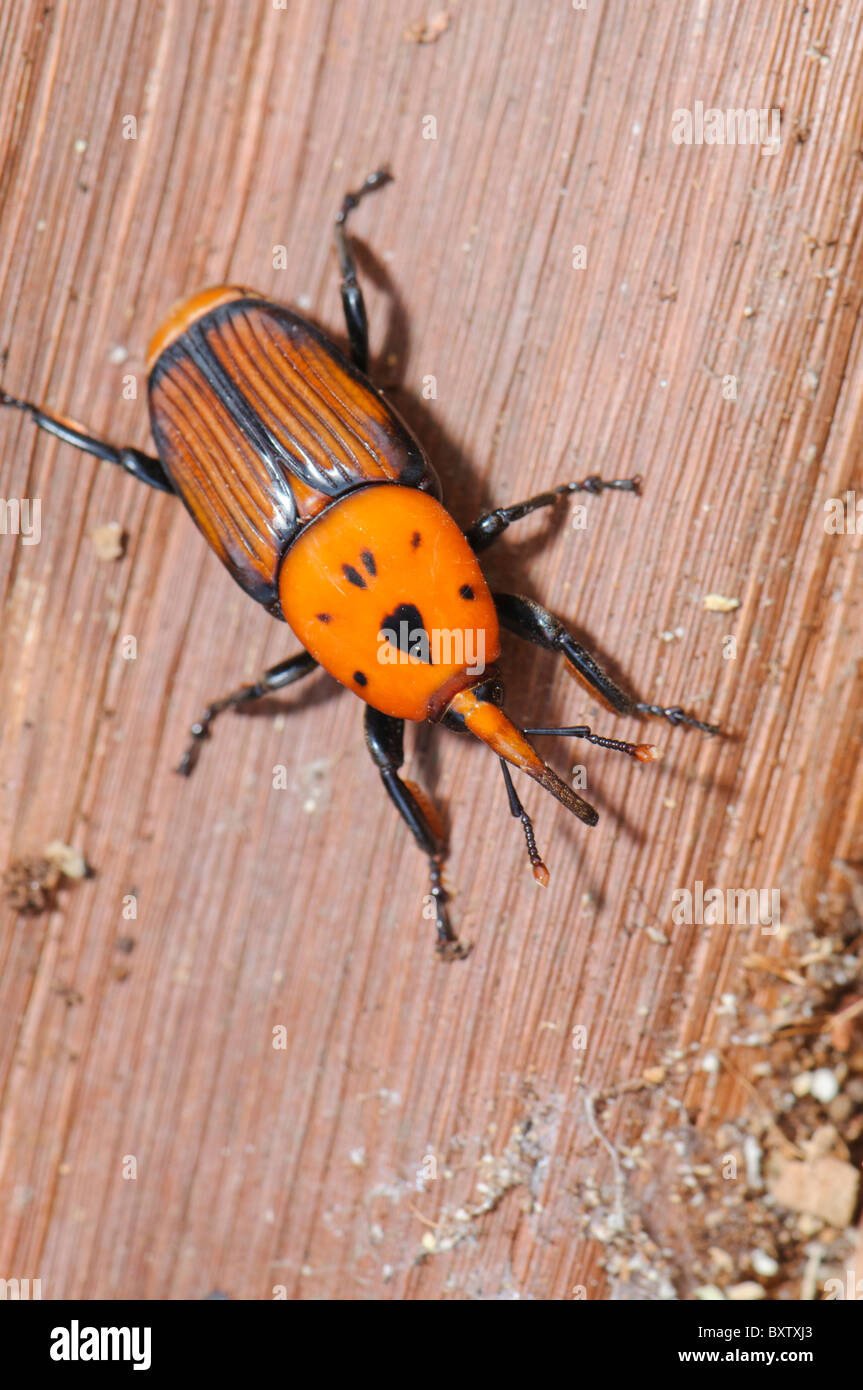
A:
323, 506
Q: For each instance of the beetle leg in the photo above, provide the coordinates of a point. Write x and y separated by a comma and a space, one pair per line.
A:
492, 524
276, 678
385, 739
352, 295
142, 466
534, 623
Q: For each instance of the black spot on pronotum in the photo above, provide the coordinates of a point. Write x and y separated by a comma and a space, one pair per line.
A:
324, 617
361, 678
466, 591
368, 560
415, 540
353, 576
404, 628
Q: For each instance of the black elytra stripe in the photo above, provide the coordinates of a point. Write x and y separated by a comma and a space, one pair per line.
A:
195, 426
240, 409
296, 460
467, 592
276, 460
180, 421
368, 560
182, 433
353, 576
343, 428
321, 468
408, 461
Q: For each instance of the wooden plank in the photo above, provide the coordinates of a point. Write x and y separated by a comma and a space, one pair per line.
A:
260, 908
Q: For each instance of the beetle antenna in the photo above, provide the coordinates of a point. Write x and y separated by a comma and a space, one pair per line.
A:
491, 725
540, 872
642, 752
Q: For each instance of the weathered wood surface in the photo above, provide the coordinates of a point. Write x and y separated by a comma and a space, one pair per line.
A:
259, 907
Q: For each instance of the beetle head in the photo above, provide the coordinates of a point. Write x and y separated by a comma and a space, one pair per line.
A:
478, 708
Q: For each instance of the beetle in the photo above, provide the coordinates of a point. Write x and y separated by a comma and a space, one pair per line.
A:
321, 503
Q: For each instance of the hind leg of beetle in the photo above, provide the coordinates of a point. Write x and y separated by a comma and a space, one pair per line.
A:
385, 739
492, 524
142, 466
535, 624
352, 295
276, 678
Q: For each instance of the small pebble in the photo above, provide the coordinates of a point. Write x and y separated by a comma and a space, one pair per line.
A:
824, 1086
108, 541
656, 936
69, 861
747, 1292
718, 603
764, 1265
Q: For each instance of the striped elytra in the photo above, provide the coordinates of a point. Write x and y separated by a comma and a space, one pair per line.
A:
261, 423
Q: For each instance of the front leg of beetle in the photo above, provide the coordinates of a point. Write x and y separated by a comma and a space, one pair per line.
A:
385, 739
534, 623
352, 295
492, 524
142, 466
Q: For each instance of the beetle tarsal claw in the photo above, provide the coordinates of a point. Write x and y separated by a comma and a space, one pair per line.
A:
448, 946
448, 951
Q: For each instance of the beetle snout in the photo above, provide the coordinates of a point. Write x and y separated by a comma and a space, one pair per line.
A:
487, 721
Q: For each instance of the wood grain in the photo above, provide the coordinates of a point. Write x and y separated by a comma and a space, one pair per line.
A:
261, 908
